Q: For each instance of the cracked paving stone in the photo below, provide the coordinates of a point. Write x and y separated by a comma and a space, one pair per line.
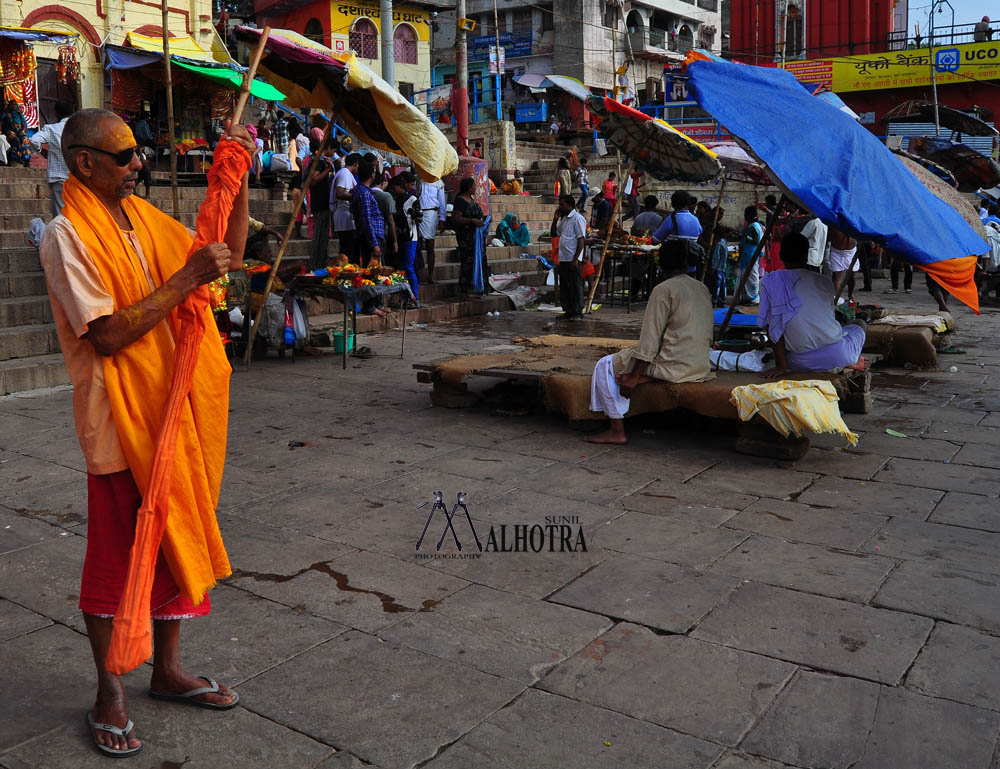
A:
647, 592
796, 522
971, 511
809, 568
56, 595
17, 621
944, 592
756, 477
975, 680
542, 731
666, 539
386, 704
941, 476
966, 549
872, 497
678, 682
823, 633
818, 721
499, 633
662, 498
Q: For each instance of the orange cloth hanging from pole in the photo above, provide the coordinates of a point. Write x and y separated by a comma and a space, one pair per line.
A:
173, 435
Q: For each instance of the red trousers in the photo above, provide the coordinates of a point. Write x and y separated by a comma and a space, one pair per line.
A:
112, 503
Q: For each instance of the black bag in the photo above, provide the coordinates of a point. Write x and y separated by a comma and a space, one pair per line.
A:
695, 255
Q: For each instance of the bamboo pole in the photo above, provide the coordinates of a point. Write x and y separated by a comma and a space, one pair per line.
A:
248, 76
607, 242
771, 220
715, 224
284, 245
171, 138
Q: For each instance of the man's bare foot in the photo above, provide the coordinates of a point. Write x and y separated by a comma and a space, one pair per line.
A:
861, 365
109, 708
615, 434
178, 681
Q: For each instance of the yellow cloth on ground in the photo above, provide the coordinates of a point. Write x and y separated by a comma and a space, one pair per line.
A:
793, 407
138, 379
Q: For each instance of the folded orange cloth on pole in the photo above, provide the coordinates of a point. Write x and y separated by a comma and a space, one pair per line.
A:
169, 394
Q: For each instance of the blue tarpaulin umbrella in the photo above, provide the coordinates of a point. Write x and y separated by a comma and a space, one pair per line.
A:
838, 170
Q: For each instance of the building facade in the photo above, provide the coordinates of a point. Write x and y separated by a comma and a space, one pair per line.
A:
590, 40
356, 25
864, 51
96, 22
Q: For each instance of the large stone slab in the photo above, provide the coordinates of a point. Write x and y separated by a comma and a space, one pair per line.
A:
809, 568
419, 485
556, 446
944, 592
974, 681
361, 589
246, 635
967, 549
841, 462
946, 414
49, 680
666, 497
910, 447
666, 539
259, 548
823, 633
535, 507
535, 575
652, 459
915, 732
175, 737
500, 633
818, 721
61, 504
871, 497
972, 511
46, 577
979, 455
939, 475
740, 760
647, 592
485, 464
575, 481
17, 621
756, 477
542, 731
796, 522
979, 434
314, 509
20, 530
389, 705
27, 473
674, 681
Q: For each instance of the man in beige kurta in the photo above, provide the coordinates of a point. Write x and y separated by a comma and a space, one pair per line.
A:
673, 345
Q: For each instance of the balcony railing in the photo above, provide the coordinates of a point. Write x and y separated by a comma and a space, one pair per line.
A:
948, 35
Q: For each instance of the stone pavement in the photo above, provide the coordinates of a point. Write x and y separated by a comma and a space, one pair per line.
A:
729, 612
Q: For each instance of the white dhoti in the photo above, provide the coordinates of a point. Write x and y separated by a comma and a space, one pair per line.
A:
605, 395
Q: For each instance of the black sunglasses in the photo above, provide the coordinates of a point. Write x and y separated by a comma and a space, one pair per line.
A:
122, 158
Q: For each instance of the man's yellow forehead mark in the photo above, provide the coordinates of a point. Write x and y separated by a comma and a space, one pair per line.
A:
119, 138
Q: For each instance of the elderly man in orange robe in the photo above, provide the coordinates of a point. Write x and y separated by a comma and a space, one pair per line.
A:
116, 269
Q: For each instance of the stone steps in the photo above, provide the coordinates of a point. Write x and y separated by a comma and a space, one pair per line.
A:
24, 310
22, 284
20, 374
28, 340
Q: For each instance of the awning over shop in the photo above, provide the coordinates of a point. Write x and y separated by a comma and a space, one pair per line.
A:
186, 47
202, 64
26, 35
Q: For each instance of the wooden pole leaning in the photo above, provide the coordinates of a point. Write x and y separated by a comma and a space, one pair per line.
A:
771, 220
171, 138
248, 76
607, 242
715, 224
281, 249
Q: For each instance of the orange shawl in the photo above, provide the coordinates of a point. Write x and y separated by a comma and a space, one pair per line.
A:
169, 401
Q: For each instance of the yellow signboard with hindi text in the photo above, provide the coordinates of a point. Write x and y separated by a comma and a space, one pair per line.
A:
902, 69
343, 16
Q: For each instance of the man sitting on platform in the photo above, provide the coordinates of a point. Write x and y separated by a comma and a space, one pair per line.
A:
796, 305
673, 344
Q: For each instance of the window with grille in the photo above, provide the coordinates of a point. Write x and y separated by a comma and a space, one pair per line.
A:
547, 21
314, 30
794, 31
404, 44
520, 23
364, 39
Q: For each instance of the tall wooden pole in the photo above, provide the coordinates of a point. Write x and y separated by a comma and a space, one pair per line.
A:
171, 139
607, 242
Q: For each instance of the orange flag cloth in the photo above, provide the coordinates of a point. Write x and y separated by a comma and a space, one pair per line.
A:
173, 432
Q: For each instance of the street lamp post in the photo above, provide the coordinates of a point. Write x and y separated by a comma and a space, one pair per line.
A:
936, 7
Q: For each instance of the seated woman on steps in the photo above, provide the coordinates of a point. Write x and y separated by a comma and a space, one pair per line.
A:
796, 305
512, 233
673, 344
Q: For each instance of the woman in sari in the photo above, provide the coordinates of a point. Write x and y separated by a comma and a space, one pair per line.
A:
15, 128
466, 219
512, 232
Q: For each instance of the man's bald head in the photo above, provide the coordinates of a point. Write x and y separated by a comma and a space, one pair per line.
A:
94, 128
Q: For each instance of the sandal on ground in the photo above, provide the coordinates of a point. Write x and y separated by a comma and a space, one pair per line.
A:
951, 350
363, 352
96, 726
188, 698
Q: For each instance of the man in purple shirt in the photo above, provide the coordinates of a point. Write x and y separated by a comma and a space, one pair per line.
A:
368, 220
